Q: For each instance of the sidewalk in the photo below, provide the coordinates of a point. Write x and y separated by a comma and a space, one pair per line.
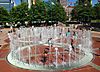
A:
95, 34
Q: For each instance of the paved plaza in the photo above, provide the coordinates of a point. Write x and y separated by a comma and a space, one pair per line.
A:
5, 66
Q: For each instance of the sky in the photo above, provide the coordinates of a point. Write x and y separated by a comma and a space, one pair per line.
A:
71, 1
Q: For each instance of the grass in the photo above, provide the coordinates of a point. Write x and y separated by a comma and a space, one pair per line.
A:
98, 20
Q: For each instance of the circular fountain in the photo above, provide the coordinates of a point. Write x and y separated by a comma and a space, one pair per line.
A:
50, 48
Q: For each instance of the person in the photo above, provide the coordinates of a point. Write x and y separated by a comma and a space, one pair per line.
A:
44, 59
50, 41
0, 46
14, 30
68, 33
74, 35
0, 30
46, 50
72, 42
11, 28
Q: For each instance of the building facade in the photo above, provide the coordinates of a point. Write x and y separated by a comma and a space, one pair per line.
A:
7, 4
63, 2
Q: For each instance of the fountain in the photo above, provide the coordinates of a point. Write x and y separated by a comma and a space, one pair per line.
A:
56, 57
49, 48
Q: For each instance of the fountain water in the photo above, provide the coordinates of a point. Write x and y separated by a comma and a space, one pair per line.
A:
49, 48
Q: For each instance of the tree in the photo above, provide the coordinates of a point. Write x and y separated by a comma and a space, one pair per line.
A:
75, 12
60, 13
96, 9
56, 12
4, 15
82, 13
19, 13
49, 11
40, 11
37, 12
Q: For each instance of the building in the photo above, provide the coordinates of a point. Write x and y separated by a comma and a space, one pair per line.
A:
63, 2
67, 7
8, 4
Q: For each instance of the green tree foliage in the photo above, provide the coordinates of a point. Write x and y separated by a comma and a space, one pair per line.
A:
37, 11
41, 11
19, 13
4, 15
82, 12
96, 9
49, 11
56, 12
